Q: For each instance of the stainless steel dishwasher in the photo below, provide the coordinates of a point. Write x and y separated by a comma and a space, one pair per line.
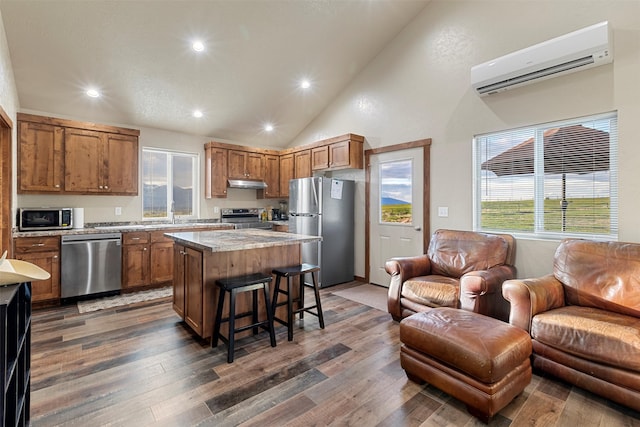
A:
91, 264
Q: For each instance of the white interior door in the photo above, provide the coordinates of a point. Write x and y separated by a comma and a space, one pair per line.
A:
395, 224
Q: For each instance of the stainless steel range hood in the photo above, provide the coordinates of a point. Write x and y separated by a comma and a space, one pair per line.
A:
247, 183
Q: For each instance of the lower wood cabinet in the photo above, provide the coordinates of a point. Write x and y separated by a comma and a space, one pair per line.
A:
45, 253
15, 351
147, 259
136, 260
188, 286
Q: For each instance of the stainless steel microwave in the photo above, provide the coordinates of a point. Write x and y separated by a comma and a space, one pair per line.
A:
34, 219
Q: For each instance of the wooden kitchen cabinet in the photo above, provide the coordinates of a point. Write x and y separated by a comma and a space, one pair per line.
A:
72, 157
286, 174
215, 171
147, 258
161, 258
245, 165
338, 155
136, 259
98, 162
40, 153
271, 177
45, 253
302, 164
188, 286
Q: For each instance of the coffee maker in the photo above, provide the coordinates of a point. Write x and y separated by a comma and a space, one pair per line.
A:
284, 210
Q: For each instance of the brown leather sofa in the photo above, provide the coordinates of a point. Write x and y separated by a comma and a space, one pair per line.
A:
584, 318
461, 269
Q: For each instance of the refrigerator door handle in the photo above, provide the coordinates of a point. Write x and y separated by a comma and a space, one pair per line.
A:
315, 194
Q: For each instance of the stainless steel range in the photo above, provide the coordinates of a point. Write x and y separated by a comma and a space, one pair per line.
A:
244, 218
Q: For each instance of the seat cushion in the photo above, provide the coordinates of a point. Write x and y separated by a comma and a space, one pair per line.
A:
590, 333
482, 347
432, 291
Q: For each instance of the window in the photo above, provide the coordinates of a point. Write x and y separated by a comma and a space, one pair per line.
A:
169, 184
554, 180
395, 192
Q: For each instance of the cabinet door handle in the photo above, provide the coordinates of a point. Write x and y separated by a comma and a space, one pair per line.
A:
106, 187
38, 244
57, 185
135, 238
55, 257
183, 253
144, 249
100, 187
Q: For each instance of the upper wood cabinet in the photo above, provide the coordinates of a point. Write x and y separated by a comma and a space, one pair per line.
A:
271, 177
302, 164
286, 173
40, 157
228, 161
246, 165
66, 156
215, 171
342, 154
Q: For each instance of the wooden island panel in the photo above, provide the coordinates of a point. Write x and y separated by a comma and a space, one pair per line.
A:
203, 258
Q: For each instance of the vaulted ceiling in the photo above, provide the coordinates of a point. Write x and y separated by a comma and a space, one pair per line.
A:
139, 56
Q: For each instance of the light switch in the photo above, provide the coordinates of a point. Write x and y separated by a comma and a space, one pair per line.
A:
443, 211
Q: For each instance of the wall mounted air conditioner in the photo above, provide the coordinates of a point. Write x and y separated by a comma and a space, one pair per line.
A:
579, 50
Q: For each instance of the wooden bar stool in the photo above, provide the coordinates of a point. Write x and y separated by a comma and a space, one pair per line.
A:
235, 286
289, 273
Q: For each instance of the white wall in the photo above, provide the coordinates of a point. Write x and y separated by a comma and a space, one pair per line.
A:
418, 87
8, 95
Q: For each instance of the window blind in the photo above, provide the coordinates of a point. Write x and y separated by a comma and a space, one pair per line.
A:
555, 179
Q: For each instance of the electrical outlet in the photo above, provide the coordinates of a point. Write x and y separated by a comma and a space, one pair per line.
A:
118, 210
443, 211
216, 209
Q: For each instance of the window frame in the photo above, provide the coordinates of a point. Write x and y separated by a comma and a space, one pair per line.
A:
538, 178
195, 205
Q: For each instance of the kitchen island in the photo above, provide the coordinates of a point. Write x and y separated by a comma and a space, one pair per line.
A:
201, 258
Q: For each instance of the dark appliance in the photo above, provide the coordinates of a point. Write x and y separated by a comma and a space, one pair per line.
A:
244, 218
36, 219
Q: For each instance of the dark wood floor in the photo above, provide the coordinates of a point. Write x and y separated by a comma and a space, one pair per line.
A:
139, 365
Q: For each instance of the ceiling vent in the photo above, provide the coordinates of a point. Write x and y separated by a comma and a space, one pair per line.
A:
586, 48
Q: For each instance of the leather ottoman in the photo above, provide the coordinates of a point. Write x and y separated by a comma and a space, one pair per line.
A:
479, 360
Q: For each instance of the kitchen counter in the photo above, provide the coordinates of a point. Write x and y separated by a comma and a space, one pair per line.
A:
239, 240
121, 228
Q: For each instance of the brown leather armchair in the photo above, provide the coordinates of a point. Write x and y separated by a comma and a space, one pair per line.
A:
461, 269
584, 318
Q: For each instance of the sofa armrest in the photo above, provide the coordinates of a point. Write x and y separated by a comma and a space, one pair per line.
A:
529, 297
401, 269
481, 291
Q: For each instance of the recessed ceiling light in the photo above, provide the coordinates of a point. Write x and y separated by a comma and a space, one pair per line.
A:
197, 114
93, 93
268, 127
305, 84
198, 46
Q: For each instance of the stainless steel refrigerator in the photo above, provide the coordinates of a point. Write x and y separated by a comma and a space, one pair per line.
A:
325, 207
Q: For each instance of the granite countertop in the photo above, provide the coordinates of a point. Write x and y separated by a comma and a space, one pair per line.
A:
237, 240
120, 228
